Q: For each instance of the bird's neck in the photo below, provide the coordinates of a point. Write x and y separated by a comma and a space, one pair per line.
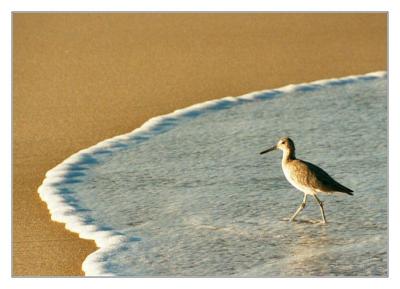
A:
288, 155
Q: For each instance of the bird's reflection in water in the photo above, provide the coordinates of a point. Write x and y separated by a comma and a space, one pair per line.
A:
310, 254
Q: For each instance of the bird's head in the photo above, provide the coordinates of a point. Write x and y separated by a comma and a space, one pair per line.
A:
284, 144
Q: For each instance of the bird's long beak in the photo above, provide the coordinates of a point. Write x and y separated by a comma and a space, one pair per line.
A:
268, 150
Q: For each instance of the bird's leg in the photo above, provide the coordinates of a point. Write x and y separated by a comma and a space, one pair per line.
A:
302, 205
321, 206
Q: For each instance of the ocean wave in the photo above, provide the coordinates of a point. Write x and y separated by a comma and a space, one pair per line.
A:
64, 204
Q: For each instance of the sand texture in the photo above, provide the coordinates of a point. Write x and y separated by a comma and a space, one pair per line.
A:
81, 78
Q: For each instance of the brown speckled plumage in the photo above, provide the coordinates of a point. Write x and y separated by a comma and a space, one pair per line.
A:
310, 175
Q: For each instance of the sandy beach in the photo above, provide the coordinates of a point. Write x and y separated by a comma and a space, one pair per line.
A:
82, 78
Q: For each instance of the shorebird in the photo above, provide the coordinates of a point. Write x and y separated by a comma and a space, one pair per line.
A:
306, 177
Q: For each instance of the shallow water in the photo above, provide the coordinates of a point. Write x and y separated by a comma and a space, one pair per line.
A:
197, 199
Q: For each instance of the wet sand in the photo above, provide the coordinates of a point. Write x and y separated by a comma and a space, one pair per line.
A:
82, 78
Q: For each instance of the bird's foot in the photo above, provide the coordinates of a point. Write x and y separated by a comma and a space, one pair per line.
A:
288, 219
321, 222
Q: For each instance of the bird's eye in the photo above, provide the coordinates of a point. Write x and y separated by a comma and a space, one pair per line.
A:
283, 142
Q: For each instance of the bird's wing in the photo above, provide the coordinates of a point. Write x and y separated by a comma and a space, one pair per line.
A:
317, 178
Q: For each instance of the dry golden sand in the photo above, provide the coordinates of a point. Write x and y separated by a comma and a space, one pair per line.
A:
82, 78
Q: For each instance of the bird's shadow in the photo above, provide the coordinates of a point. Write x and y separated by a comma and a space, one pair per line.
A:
303, 221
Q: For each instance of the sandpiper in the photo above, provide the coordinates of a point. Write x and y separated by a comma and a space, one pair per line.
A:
306, 177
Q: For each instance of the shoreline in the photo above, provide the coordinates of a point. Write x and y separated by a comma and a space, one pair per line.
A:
80, 79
